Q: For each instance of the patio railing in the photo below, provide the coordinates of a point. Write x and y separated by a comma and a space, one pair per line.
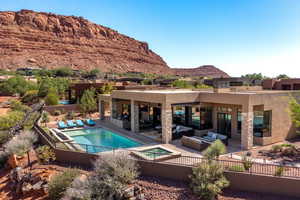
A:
283, 170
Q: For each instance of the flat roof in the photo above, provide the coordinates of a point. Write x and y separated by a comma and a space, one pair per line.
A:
161, 91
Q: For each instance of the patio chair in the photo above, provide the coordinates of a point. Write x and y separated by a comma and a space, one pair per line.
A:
71, 124
90, 122
79, 123
61, 125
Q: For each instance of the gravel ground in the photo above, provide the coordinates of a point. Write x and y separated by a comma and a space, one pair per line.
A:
164, 189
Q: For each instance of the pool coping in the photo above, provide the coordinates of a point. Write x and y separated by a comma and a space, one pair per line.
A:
138, 152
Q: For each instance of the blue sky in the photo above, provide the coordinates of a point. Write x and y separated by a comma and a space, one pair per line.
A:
238, 36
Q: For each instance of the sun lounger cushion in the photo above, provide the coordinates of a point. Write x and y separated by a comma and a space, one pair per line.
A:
79, 123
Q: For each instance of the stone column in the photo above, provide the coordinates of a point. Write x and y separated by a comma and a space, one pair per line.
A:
247, 127
166, 123
101, 109
234, 122
113, 108
215, 117
134, 117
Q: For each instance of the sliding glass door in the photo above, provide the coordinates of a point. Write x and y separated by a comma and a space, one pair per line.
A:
224, 124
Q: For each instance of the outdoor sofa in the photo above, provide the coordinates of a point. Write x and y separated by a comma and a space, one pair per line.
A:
212, 136
194, 142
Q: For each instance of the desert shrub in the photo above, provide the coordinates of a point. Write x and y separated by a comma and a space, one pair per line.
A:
4, 137
45, 154
216, 149
21, 144
70, 115
279, 171
247, 162
208, 180
30, 96
237, 168
276, 148
16, 105
45, 117
3, 159
11, 119
56, 112
79, 189
111, 174
52, 97
59, 183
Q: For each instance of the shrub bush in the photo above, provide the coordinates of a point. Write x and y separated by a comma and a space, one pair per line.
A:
111, 174
237, 168
59, 183
52, 98
45, 154
11, 119
31, 97
208, 180
279, 171
247, 162
216, 149
4, 137
276, 148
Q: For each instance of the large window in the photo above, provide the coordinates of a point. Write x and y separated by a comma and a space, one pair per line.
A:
262, 123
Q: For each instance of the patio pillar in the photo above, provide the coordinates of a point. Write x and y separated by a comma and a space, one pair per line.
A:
247, 127
215, 117
166, 123
234, 122
101, 109
134, 116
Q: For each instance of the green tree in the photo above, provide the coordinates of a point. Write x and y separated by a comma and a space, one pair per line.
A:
16, 105
16, 85
181, 84
282, 76
107, 88
63, 72
11, 119
30, 97
44, 87
255, 76
52, 97
88, 102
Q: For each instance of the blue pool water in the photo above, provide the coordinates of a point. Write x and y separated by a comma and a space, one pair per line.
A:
104, 140
64, 102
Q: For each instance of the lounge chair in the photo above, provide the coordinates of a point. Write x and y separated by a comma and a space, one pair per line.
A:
212, 136
79, 123
61, 125
90, 122
71, 124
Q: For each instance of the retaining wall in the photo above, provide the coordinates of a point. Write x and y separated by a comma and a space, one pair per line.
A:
62, 108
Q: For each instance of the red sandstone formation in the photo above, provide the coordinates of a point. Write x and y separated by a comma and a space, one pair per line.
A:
46, 40
203, 71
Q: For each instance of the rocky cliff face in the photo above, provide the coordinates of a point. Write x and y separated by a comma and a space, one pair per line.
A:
46, 40
203, 71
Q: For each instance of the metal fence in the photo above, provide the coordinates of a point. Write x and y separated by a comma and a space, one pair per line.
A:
282, 170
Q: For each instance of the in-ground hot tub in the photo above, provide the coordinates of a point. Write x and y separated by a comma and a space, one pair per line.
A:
157, 152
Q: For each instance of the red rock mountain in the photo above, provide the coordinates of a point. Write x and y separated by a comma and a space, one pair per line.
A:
46, 40
204, 71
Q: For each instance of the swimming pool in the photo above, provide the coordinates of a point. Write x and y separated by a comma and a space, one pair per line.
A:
64, 102
103, 139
